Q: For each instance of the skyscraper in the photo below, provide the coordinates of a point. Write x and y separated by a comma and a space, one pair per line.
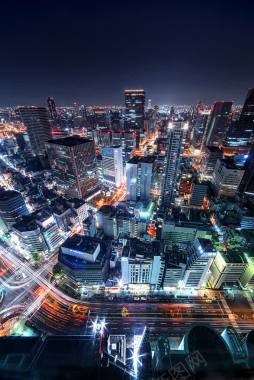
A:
241, 132
135, 109
38, 128
112, 165
52, 107
246, 120
139, 174
247, 183
218, 124
175, 144
73, 162
12, 207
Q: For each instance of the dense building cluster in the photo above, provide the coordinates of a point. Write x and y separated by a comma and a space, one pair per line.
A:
138, 197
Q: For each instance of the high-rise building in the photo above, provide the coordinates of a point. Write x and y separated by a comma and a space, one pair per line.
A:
135, 108
227, 177
112, 165
213, 153
12, 207
246, 121
175, 144
38, 128
247, 183
52, 108
200, 127
73, 162
139, 175
218, 124
200, 258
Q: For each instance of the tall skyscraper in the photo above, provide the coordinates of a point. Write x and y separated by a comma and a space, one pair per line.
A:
38, 128
246, 120
52, 107
139, 174
73, 161
200, 126
241, 131
247, 183
135, 108
112, 165
218, 124
12, 207
175, 144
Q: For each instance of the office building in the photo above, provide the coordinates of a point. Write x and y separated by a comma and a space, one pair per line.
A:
73, 163
106, 221
134, 109
200, 126
200, 257
213, 153
36, 121
12, 207
198, 194
173, 233
175, 144
229, 269
29, 238
139, 176
80, 258
227, 177
247, 183
112, 166
52, 108
247, 114
219, 121
142, 264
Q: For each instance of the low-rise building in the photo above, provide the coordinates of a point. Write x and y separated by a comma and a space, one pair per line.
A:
80, 258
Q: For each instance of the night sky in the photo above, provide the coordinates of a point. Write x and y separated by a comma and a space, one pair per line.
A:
89, 51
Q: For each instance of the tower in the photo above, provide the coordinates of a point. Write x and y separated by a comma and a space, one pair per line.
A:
112, 165
135, 109
218, 124
52, 108
175, 144
73, 162
38, 128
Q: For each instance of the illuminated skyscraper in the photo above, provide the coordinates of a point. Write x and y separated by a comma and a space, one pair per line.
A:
38, 128
112, 165
52, 108
73, 162
246, 120
135, 108
175, 144
247, 184
139, 174
241, 132
218, 124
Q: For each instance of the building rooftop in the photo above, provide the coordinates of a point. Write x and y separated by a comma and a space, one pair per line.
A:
214, 149
69, 141
6, 195
27, 223
229, 163
206, 245
145, 160
136, 248
81, 243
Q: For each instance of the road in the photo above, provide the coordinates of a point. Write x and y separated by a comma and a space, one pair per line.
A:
50, 310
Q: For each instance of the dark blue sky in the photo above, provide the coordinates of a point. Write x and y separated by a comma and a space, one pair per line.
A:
89, 51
